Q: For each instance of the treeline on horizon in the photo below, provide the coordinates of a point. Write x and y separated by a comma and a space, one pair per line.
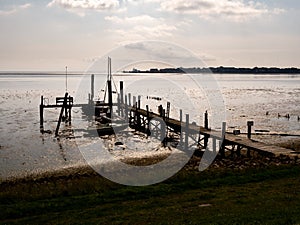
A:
222, 70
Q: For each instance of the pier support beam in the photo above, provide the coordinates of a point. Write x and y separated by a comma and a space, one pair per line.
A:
42, 114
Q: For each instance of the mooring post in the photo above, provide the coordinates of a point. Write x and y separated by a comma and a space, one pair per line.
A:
168, 110
214, 145
187, 121
148, 121
92, 87
126, 109
222, 150
122, 98
129, 99
70, 114
206, 120
139, 102
249, 124
110, 100
122, 91
42, 113
181, 128
223, 130
134, 101
119, 104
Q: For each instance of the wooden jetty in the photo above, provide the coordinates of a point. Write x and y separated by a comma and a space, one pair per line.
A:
160, 125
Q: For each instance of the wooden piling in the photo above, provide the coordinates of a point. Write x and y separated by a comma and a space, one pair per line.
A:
221, 148
214, 145
126, 109
249, 125
206, 120
134, 101
139, 102
42, 113
129, 99
181, 137
186, 142
118, 105
148, 121
92, 87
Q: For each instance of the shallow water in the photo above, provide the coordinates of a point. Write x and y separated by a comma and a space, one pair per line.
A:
246, 97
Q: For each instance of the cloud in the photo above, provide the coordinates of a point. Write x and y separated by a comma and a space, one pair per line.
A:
78, 5
236, 10
14, 9
141, 27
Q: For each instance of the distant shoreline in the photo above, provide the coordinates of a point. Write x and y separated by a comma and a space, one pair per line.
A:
180, 70
221, 70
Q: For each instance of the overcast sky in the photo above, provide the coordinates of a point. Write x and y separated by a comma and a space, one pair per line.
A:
50, 34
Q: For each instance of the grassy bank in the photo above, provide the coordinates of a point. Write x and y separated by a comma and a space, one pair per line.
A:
251, 196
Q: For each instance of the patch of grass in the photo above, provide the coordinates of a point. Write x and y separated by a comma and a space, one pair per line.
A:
252, 196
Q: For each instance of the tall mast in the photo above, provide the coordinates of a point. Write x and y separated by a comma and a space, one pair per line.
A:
66, 79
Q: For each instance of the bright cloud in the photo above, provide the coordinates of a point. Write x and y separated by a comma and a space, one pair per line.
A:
14, 9
237, 10
141, 27
86, 4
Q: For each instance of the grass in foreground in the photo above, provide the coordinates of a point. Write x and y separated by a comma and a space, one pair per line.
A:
252, 196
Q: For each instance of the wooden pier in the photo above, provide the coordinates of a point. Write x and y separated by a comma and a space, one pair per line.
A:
161, 126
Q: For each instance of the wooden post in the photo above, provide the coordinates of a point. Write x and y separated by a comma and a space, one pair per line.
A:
139, 101
92, 87
148, 121
122, 91
110, 101
223, 130
168, 110
214, 145
61, 113
249, 124
206, 120
122, 98
222, 150
119, 105
42, 113
70, 114
186, 142
129, 99
134, 101
126, 109
181, 128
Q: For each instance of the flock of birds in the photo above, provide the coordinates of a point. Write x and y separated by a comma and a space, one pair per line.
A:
286, 115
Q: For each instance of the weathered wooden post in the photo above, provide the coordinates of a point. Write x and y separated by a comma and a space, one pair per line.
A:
129, 99
168, 110
222, 142
223, 130
181, 128
205, 127
119, 105
139, 101
214, 145
126, 109
222, 149
148, 121
42, 113
134, 101
92, 87
122, 98
249, 125
186, 142
110, 100
206, 120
